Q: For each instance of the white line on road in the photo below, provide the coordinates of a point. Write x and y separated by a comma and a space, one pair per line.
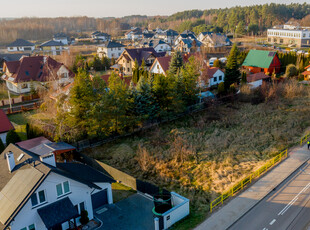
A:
293, 200
272, 222
265, 228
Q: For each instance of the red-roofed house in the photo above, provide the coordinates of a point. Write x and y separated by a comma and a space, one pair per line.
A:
307, 73
38, 71
213, 75
161, 65
5, 126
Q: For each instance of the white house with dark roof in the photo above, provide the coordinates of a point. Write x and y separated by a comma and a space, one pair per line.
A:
61, 37
38, 193
100, 36
110, 50
21, 45
52, 47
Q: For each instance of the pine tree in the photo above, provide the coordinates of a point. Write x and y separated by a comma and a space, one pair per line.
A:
243, 77
176, 63
136, 72
232, 74
12, 137
217, 63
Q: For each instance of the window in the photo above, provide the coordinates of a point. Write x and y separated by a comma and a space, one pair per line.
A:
119, 48
215, 79
220, 78
30, 227
80, 207
24, 86
38, 198
64, 75
62, 188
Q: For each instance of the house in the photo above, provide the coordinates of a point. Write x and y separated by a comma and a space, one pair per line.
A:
52, 47
42, 146
134, 33
212, 76
168, 36
11, 57
61, 37
158, 45
307, 73
292, 35
213, 40
262, 61
187, 34
5, 126
38, 193
21, 45
100, 36
36, 71
126, 79
255, 80
126, 61
161, 65
188, 45
110, 50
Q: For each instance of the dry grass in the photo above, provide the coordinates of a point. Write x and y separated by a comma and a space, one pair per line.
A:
203, 155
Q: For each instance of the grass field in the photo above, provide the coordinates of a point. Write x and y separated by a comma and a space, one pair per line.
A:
202, 155
19, 121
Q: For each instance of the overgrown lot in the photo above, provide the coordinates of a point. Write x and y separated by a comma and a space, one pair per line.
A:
202, 155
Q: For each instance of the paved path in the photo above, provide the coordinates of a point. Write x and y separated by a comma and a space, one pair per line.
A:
287, 207
240, 205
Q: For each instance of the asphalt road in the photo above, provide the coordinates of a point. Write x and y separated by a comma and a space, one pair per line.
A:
287, 207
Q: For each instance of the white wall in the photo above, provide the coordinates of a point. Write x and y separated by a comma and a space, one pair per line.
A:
178, 212
217, 75
79, 193
157, 69
162, 48
255, 84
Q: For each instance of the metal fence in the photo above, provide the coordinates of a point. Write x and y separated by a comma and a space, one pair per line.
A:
304, 139
248, 180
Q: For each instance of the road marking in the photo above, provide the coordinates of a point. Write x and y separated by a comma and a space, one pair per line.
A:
293, 200
265, 228
272, 222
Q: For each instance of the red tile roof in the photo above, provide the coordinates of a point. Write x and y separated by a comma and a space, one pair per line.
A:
36, 68
257, 77
5, 124
307, 67
306, 73
164, 62
210, 71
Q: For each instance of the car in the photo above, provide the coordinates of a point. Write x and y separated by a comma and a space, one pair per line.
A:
223, 59
211, 61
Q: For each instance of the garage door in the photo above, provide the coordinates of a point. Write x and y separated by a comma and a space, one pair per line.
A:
99, 199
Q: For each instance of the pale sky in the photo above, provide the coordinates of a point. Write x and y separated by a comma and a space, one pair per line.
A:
115, 8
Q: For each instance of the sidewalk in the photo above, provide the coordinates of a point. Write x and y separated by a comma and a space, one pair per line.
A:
241, 204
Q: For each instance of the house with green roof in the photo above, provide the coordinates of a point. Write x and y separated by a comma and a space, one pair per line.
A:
262, 61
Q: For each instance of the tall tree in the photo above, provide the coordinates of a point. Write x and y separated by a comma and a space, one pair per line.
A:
176, 63
232, 74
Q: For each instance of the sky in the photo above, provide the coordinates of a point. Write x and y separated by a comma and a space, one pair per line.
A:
116, 8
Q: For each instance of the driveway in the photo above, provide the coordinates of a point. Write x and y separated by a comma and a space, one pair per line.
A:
133, 213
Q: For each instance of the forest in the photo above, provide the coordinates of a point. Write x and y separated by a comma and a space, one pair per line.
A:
256, 18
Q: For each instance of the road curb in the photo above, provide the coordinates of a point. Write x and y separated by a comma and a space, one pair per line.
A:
272, 189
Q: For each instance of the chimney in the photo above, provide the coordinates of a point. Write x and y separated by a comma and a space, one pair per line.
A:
11, 161
48, 159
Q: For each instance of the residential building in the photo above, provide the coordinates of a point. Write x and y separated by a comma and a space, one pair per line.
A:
158, 44
262, 61
134, 34
35, 71
169, 36
289, 35
212, 76
38, 193
161, 65
11, 57
255, 80
100, 36
213, 40
188, 45
61, 37
21, 45
126, 61
307, 73
187, 34
5, 126
110, 50
52, 47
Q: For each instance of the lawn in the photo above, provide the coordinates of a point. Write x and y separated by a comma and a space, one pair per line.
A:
121, 192
202, 155
19, 120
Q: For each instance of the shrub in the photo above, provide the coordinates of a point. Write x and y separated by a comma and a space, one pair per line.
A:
221, 89
291, 71
12, 137
84, 217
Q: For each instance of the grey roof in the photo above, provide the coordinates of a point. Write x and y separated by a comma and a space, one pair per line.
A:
20, 43
188, 32
169, 32
60, 35
142, 53
52, 43
12, 57
57, 213
59, 146
192, 36
114, 45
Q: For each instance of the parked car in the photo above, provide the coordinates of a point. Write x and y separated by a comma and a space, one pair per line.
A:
223, 59
211, 61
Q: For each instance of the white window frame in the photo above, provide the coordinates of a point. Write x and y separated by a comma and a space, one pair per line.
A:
63, 189
38, 199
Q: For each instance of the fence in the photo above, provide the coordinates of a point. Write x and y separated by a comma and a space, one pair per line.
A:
22, 108
304, 139
247, 180
19, 99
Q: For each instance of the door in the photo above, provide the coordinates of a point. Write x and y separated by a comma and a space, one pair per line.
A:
99, 199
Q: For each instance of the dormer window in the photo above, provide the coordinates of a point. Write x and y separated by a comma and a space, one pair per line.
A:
38, 198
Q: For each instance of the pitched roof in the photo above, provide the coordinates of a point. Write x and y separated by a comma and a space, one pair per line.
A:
20, 43
164, 62
5, 124
60, 35
51, 43
114, 45
36, 68
142, 53
210, 71
306, 73
187, 32
12, 57
57, 213
256, 77
16, 187
259, 58
29, 144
